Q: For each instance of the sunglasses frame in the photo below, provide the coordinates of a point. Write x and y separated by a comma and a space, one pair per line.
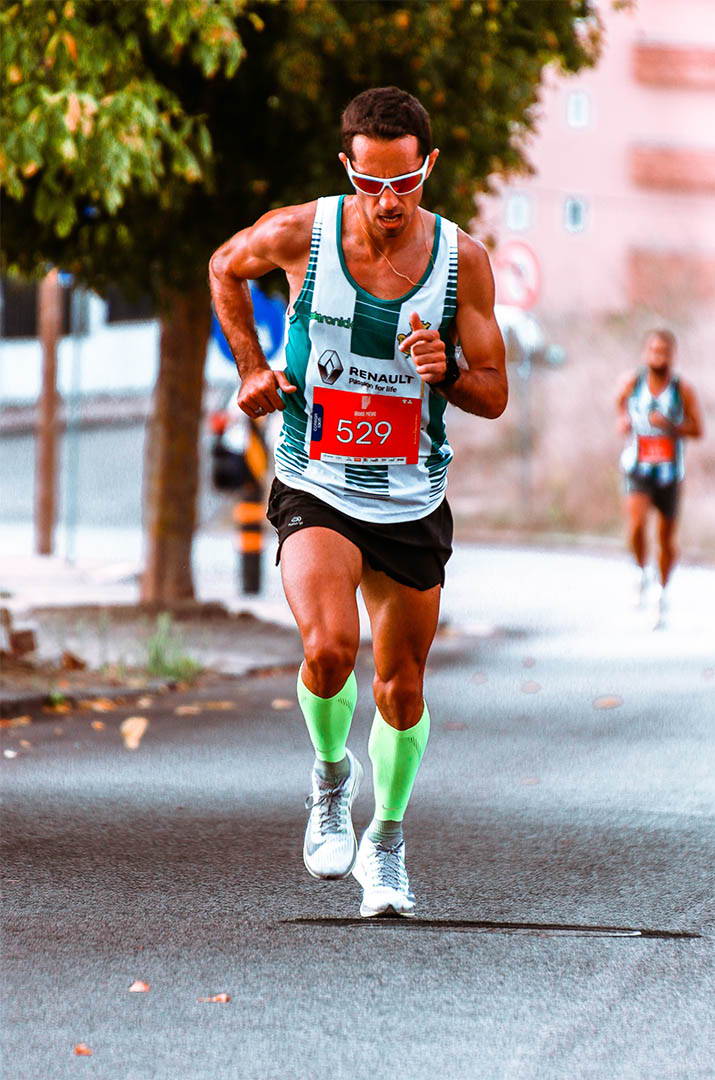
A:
388, 181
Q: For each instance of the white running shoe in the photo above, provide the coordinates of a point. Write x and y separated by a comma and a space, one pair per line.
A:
382, 874
330, 845
642, 582
660, 610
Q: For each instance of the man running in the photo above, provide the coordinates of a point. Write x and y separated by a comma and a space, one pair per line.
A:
381, 291
657, 409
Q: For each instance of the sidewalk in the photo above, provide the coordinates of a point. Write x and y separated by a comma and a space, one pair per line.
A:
574, 603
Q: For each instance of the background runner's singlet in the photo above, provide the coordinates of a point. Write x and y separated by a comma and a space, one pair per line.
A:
363, 432
651, 453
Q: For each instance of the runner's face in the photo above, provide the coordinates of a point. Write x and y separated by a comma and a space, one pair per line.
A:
388, 214
657, 354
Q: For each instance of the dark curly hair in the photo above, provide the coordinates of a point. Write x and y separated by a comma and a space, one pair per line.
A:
386, 112
666, 336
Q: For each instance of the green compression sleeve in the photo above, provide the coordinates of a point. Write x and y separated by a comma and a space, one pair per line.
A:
328, 719
396, 757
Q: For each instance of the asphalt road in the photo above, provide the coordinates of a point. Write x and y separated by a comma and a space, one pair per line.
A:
544, 833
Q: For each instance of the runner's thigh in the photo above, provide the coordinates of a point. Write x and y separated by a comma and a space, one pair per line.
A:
321, 571
403, 621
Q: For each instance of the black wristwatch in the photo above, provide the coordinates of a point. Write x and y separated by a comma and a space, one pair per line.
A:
451, 376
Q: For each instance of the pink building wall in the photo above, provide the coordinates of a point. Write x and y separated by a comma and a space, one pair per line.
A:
641, 168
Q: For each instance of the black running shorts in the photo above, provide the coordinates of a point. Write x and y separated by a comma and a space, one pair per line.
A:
411, 552
663, 496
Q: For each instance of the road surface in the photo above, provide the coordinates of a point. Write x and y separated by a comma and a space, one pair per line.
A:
560, 844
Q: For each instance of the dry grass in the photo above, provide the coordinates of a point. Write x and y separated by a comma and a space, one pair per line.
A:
572, 473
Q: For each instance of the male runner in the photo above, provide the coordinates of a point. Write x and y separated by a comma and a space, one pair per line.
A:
380, 292
657, 409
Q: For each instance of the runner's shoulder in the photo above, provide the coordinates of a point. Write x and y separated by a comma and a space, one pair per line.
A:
474, 276
283, 235
627, 382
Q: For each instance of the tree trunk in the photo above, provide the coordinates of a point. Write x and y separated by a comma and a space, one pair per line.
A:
172, 461
49, 327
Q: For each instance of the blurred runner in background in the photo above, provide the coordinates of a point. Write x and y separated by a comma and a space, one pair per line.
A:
657, 409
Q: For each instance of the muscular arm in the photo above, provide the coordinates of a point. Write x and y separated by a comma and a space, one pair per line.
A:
280, 238
692, 424
482, 389
624, 392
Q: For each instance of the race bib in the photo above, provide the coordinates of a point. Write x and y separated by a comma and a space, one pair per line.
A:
655, 449
351, 427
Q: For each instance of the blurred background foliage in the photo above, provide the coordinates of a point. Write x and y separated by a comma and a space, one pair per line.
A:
138, 135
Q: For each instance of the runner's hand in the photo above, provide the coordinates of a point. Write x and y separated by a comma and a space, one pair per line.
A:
427, 350
624, 425
657, 419
259, 395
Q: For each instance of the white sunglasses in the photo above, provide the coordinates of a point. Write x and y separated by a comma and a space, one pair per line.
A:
404, 184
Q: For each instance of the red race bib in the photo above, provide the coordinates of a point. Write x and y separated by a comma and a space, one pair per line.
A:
655, 449
352, 427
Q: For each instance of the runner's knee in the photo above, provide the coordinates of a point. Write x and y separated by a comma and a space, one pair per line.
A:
399, 698
329, 660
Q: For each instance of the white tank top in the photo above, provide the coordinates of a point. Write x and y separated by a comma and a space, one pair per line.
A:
363, 432
650, 454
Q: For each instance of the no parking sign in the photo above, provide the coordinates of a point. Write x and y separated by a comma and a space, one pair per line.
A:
518, 275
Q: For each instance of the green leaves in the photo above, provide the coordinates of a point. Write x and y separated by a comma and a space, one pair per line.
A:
137, 134
85, 118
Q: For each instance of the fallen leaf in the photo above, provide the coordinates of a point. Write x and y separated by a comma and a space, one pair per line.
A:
187, 710
479, 678
60, 707
25, 743
82, 1050
608, 701
98, 725
528, 661
282, 703
139, 987
219, 706
530, 687
132, 729
10, 753
101, 704
145, 702
15, 721
58, 730
220, 999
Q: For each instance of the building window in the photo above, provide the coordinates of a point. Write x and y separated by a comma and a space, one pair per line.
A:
518, 212
578, 109
575, 214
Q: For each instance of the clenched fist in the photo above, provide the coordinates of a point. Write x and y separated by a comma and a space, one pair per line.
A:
427, 350
259, 392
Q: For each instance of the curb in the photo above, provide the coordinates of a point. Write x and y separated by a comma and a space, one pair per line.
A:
10, 704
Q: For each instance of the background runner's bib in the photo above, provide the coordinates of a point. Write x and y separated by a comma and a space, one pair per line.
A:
363, 432
651, 453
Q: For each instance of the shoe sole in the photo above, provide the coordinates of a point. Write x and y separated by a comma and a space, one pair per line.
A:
385, 913
348, 872
388, 911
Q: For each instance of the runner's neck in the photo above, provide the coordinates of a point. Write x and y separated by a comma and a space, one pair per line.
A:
657, 382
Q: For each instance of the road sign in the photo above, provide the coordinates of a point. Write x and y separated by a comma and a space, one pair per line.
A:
518, 276
269, 317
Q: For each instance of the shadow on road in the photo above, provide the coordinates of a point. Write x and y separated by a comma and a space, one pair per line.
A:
481, 927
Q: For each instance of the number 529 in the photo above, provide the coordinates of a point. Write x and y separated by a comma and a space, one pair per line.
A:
363, 431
